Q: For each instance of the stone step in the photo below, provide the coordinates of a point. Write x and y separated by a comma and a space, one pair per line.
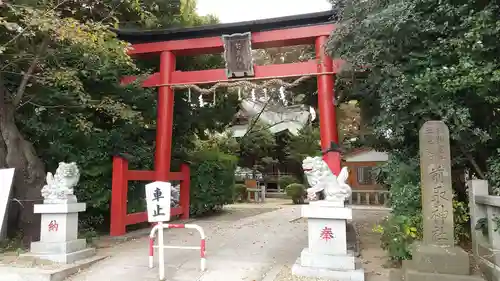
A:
357, 274
58, 247
56, 273
65, 258
444, 260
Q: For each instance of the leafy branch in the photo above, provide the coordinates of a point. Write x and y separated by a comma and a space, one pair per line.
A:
28, 74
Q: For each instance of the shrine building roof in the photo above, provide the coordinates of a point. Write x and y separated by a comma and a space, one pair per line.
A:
135, 36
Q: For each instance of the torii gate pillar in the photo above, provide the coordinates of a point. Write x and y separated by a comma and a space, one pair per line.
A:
165, 117
326, 98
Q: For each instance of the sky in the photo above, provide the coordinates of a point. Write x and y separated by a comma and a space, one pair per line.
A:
247, 10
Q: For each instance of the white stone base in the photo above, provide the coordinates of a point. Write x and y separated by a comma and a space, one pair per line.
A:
327, 256
324, 203
323, 217
335, 262
330, 274
326, 211
68, 200
59, 208
58, 247
64, 258
64, 221
61, 252
59, 233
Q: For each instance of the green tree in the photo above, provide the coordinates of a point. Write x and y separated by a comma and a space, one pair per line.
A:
60, 98
307, 143
223, 142
257, 148
410, 61
49, 73
419, 60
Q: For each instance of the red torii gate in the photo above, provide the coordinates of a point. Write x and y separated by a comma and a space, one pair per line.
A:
307, 29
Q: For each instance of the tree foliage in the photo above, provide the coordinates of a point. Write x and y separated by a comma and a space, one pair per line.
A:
257, 147
58, 74
419, 60
410, 61
60, 98
307, 143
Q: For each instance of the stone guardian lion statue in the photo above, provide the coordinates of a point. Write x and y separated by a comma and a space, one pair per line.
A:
59, 187
324, 184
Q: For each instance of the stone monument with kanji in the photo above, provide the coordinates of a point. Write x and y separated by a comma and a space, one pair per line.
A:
326, 255
59, 223
436, 258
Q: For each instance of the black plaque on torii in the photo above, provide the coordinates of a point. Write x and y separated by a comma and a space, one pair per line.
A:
238, 55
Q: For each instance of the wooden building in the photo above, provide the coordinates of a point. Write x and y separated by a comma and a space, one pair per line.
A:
361, 163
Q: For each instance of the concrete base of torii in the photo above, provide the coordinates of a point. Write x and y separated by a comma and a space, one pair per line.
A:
327, 255
59, 234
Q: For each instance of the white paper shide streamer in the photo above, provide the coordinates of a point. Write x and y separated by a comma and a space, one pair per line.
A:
283, 96
200, 99
313, 113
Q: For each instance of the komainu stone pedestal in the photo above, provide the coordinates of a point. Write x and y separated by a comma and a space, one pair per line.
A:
436, 263
59, 234
327, 255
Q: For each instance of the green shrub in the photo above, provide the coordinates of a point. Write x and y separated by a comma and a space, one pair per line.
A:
285, 181
212, 181
461, 222
401, 175
95, 167
398, 232
297, 192
239, 192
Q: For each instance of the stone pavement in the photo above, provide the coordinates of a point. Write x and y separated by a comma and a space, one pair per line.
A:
246, 243
237, 249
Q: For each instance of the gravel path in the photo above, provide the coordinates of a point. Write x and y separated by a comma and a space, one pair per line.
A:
243, 244
247, 242
373, 258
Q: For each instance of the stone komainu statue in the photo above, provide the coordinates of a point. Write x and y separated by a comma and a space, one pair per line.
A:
324, 184
60, 186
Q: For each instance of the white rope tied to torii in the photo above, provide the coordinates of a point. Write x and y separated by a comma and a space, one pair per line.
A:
244, 83
241, 83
